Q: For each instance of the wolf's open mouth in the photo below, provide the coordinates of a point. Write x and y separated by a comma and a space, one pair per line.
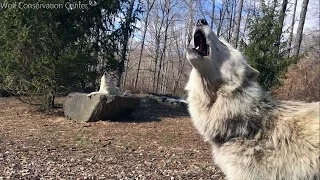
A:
200, 43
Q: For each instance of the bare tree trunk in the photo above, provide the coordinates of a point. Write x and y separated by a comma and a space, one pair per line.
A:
177, 61
283, 13
125, 42
212, 15
96, 68
124, 82
166, 13
250, 11
158, 33
235, 35
190, 22
220, 22
164, 80
156, 62
181, 66
221, 18
292, 26
298, 40
281, 20
149, 7
231, 18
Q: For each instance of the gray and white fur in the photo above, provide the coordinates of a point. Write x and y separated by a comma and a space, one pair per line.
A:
253, 137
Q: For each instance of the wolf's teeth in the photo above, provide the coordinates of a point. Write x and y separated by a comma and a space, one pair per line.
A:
197, 48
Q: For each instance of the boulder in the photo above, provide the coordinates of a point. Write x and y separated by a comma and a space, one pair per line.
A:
79, 106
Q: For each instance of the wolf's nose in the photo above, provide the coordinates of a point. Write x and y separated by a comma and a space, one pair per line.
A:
202, 22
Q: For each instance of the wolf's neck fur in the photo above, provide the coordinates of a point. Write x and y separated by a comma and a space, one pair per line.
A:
220, 114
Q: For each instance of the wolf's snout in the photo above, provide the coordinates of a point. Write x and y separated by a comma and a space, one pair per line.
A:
202, 22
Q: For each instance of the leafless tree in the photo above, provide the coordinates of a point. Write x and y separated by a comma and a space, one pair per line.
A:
149, 6
124, 50
212, 14
292, 26
235, 35
231, 6
281, 19
157, 61
222, 12
158, 23
298, 38
166, 11
190, 23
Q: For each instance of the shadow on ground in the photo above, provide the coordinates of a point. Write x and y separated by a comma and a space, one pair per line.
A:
155, 111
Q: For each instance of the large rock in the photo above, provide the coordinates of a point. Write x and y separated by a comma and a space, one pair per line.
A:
79, 106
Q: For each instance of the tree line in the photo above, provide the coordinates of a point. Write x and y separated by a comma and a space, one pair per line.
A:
50, 52
256, 27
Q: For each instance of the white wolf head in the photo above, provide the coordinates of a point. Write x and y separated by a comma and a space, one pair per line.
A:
105, 82
107, 86
216, 61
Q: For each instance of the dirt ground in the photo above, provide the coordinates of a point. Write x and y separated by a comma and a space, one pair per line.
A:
156, 142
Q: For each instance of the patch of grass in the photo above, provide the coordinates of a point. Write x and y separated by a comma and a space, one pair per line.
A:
83, 141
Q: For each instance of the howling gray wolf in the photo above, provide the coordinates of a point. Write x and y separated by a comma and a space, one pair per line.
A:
106, 86
253, 137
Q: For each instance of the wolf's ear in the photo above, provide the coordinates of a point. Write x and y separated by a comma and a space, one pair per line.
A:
252, 73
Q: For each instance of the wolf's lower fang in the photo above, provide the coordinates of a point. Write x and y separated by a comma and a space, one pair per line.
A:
197, 48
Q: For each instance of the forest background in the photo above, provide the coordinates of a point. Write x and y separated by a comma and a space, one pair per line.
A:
50, 48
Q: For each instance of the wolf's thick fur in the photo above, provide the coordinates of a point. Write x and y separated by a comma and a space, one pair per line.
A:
253, 137
106, 86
